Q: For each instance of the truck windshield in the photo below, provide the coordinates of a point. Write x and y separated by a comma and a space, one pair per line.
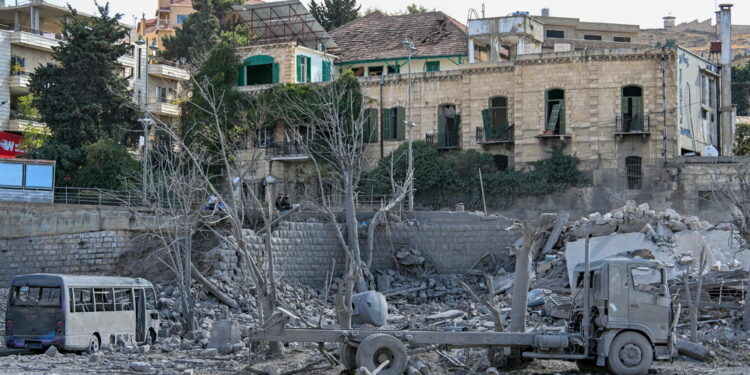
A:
647, 279
35, 296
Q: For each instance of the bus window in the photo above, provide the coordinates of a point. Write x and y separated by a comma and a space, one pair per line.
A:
150, 299
83, 300
103, 299
36, 296
124, 299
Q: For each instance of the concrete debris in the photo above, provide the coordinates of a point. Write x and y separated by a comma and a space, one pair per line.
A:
51, 351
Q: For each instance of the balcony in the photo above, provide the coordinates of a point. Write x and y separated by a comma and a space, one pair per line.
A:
164, 107
450, 140
168, 72
503, 136
19, 83
20, 122
632, 125
126, 60
36, 39
289, 151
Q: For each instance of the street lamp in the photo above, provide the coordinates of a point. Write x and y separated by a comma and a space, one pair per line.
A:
409, 45
146, 120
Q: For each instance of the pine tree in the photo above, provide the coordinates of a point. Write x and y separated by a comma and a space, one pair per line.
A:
81, 98
334, 13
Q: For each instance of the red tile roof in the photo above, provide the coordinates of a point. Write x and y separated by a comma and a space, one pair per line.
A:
379, 36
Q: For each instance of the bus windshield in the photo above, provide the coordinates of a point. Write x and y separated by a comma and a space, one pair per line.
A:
35, 296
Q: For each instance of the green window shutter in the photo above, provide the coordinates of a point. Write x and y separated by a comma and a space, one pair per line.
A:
561, 120
637, 114
326, 71
299, 68
441, 128
372, 121
241, 76
275, 73
432, 66
308, 77
386, 121
400, 116
487, 122
553, 117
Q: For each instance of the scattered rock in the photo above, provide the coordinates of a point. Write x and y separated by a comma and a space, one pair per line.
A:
142, 367
51, 351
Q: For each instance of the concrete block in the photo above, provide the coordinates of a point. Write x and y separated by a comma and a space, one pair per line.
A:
224, 332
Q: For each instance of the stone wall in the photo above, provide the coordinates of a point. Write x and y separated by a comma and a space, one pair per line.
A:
305, 251
79, 253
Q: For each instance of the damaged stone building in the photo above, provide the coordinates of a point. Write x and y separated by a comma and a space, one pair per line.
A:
513, 86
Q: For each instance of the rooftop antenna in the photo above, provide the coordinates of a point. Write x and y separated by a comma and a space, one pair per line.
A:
482, 10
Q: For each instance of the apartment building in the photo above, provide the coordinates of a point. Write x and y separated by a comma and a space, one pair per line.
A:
623, 110
30, 29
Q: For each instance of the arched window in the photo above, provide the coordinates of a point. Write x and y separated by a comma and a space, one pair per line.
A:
448, 126
258, 70
632, 109
634, 172
555, 112
495, 119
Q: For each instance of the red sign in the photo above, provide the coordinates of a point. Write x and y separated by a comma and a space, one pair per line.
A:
10, 145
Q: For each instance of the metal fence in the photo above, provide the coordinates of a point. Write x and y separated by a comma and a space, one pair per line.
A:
99, 197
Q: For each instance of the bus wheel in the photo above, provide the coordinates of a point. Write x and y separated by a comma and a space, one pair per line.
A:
94, 344
151, 338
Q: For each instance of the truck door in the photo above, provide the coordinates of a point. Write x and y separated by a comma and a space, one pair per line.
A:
649, 302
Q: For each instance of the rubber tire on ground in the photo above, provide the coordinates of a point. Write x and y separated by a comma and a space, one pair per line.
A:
382, 345
94, 344
589, 365
348, 356
632, 342
151, 338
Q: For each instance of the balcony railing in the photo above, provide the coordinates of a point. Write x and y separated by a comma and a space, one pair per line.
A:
452, 140
633, 124
286, 150
506, 136
15, 115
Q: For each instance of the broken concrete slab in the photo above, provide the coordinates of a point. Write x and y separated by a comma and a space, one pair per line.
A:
604, 247
450, 314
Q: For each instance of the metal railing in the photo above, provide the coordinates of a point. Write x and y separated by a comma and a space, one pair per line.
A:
636, 124
26, 29
505, 136
452, 140
99, 197
278, 149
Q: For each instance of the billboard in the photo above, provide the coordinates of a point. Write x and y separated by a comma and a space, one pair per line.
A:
10, 145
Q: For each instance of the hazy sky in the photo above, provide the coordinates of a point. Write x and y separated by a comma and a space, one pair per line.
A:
646, 13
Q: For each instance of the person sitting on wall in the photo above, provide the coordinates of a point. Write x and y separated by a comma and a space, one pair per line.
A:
285, 205
278, 202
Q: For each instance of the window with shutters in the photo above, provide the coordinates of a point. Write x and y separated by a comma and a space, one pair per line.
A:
393, 124
370, 131
258, 70
303, 69
634, 172
632, 109
495, 119
326, 75
432, 66
448, 126
555, 112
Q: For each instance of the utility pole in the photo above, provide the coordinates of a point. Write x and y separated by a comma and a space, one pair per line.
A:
410, 49
146, 120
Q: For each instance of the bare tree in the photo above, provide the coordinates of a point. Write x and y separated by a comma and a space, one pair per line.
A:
731, 187
328, 125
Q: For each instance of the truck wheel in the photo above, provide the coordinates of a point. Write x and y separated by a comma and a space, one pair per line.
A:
630, 354
378, 348
348, 356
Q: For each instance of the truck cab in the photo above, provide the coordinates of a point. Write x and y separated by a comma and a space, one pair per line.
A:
626, 296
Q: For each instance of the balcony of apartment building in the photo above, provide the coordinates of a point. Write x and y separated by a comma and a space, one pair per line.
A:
168, 71
495, 135
448, 135
21, 122
164, 106
554, 119
32, 38
128, 59
19, 81
632, 120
